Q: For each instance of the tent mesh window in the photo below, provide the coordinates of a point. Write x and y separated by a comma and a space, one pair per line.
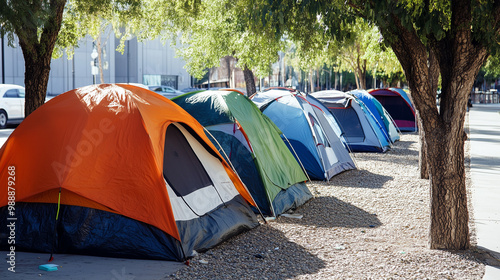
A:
349, 123
181, 167
397, 107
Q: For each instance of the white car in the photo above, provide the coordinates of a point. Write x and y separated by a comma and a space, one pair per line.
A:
11, 104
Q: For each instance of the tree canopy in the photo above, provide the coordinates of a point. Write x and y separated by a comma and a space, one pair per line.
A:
208, 31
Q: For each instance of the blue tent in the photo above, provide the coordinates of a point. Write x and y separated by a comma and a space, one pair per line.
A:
307, 132
379, 114
360, 131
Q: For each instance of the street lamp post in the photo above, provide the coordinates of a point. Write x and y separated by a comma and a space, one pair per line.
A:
93, 63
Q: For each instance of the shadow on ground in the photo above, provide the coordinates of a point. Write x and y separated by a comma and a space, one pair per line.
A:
400, 151
487, 256
485, 139
488, 164
336, 213
262, 253
344, 179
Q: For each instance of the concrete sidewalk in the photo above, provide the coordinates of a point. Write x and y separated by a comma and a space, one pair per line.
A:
484, 125
4, 135
79, 267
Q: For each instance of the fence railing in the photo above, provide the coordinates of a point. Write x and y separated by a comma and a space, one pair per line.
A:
485, 97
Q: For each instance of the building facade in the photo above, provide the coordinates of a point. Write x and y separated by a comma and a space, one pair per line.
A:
150, 62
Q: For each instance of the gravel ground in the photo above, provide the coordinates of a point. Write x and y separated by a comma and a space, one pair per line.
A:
370, 223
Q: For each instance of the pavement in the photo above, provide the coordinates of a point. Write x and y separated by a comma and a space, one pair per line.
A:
484, 136
4, 134
79, 267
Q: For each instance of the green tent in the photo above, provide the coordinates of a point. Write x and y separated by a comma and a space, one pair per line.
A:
253, 145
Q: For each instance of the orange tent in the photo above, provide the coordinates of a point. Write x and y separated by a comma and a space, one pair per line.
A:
103, 147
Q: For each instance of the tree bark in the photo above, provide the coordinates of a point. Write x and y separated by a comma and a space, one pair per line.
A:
362, 75
38, 52
433, 83
318, 78
422, 154
449, 214
359, 66
249, 81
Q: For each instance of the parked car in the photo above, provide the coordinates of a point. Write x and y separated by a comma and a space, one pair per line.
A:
11, 104
168, 92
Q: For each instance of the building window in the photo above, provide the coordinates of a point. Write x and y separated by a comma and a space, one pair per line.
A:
163, 80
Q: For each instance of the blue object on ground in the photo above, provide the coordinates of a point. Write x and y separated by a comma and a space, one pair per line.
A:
48, 267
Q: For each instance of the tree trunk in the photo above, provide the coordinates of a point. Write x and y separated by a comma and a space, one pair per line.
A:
362, 82
228, 64
38, 52
249, 81
362, 75
36, 78
336, 80
361, 78
356, 78
99, 58
444, 147
449, 214
422, 154
460, 59
318, 79
434, 81
311, 80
